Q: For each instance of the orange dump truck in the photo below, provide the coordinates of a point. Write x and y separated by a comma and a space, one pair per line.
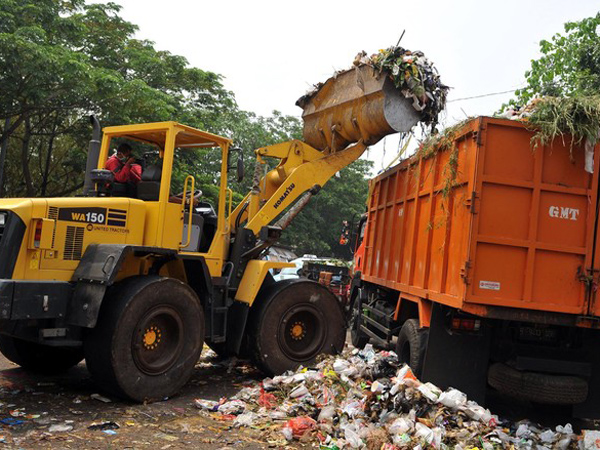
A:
480, 260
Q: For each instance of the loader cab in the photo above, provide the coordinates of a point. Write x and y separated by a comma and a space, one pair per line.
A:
178, 214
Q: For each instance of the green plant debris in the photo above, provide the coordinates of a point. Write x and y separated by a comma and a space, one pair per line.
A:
444, 141
559, 117
415, 76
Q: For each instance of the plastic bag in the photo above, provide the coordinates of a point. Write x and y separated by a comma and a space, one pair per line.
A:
232, 407
352, 437
452, 398
430, 391
327, 413
298, 427
245, 420
209, 405
265, 399
423, 432
401, 425
299, 391
591, 440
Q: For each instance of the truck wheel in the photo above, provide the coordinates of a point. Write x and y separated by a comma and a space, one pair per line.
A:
537, 387
148, 338
295, 321
358, 339
411, 345
40, 358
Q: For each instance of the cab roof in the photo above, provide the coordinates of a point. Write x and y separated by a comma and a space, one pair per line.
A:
156, 133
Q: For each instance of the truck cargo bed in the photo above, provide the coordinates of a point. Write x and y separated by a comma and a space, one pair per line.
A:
518, 228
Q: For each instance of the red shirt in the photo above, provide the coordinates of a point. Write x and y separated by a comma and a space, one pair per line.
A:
124, 173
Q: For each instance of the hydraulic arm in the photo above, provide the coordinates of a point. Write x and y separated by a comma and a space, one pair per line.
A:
301, 168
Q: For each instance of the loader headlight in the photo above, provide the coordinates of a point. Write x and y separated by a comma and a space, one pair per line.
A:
2, 219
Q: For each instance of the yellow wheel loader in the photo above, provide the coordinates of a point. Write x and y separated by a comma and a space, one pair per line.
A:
136, 280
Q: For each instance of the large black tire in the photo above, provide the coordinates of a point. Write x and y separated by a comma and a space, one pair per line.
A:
411, 345
294, 322
40, 358
537, 387
148, 338
358, 338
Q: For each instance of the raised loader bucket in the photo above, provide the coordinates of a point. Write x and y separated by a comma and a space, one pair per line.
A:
360, 103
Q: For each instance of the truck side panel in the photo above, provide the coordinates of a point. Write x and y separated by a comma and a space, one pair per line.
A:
532, 236
514, 227
417, 236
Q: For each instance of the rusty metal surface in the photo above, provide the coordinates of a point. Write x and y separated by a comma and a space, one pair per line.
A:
357, 104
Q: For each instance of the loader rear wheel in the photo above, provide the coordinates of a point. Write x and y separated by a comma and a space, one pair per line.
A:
411, 345
295, 321
40, 358
148, 338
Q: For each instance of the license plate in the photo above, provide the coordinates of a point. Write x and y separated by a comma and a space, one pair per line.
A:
538, 334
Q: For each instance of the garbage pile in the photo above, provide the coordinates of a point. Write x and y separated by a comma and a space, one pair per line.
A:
415, 76
411, 73
367, 399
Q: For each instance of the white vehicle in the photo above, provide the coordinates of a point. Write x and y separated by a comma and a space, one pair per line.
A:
289, 273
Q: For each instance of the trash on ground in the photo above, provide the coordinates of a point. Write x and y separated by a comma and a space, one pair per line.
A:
367, 399
101, 398
108, 425
60, 427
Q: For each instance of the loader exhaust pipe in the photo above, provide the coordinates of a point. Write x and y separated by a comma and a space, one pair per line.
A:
93, 154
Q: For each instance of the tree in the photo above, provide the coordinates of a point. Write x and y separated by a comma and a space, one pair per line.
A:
569, 65
316, 230
62, 60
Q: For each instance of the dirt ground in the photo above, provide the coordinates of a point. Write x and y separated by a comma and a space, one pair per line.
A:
56, 412
34, 408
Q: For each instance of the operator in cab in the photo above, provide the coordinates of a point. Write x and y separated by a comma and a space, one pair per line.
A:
122, 164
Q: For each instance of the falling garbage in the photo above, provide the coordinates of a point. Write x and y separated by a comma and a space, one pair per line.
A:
368, 399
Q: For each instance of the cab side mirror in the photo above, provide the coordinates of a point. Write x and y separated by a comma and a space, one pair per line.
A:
239, 165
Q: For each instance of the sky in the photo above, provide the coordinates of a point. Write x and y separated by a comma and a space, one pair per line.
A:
271, 52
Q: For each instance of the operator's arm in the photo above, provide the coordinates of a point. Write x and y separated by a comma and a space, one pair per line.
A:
136, 173
128, 172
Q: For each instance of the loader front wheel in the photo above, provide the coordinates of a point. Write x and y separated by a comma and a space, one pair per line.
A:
148, 338
295, 321
40, 358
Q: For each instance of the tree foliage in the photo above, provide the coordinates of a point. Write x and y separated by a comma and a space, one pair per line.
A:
569, 65
62, 60
317, 229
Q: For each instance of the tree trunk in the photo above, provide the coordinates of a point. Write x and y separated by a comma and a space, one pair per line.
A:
3, 150
46, 169
29, 190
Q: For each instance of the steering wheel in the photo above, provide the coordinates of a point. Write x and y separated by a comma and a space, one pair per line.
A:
195, 196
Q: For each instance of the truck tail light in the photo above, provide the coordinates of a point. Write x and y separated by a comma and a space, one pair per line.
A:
460, 324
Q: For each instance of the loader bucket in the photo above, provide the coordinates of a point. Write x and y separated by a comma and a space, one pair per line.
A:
360, 103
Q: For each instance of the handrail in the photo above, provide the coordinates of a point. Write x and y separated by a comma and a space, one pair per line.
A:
184, 200
230, 192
